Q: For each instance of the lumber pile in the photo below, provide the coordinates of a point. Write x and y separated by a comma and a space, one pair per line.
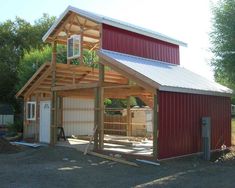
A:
113, 159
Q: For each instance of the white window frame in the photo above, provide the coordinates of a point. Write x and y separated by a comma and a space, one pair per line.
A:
32, 114
76, 46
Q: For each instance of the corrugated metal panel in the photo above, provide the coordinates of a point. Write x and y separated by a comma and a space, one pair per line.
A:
180, 122
169, 77
78, 116
6, 119
123, 41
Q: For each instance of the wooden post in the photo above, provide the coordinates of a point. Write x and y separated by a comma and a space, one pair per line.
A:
60, 111
101, 118
96, 118
25, 118
101, 107
53, 97
37, 118
128, 128
155, 126
81, 55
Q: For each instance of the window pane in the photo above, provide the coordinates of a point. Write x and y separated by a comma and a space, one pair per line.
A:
28, 110
33, 111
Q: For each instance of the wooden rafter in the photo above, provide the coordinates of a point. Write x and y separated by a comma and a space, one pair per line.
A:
129, 73
57, 31
75, 86
34, 77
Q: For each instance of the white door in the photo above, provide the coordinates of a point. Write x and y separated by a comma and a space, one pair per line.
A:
45, 121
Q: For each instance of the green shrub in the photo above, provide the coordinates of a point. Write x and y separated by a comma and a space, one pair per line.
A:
14, 128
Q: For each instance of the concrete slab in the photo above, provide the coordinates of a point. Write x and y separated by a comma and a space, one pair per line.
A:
142, 147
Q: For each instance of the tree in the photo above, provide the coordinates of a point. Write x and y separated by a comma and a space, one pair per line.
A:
31, 62
17, 38
223, 42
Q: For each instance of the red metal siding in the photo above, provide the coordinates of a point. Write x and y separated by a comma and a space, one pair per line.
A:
180, 122
123, 41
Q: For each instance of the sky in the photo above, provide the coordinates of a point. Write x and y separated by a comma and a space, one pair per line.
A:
185, 20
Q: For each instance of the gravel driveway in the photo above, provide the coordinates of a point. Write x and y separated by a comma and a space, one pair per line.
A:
66, 167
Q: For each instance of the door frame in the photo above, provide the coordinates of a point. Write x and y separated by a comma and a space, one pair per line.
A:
49, 122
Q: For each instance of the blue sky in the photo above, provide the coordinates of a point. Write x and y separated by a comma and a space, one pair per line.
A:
189, 21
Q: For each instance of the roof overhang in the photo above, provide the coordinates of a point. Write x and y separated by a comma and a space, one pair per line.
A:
98, 19
162, 76
68, 78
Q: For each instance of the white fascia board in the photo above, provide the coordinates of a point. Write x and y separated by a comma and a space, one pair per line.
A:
195, 91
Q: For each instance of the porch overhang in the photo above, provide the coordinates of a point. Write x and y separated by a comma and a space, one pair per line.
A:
156, 75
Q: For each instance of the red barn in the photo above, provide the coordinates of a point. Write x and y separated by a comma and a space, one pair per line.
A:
133, 61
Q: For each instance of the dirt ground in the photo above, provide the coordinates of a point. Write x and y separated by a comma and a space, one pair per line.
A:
67, 167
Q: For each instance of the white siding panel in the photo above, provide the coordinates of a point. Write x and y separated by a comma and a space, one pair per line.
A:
6, 119
149, 121
78, 116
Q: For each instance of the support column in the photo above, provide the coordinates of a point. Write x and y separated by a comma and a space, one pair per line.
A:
101, 107
155, 126
53, 97
101, 118
60, 111
96, 118
81, 63
128, 128
37, 118
25, 131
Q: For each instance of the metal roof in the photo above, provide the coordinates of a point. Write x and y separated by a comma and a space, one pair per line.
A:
167, 77
113, 22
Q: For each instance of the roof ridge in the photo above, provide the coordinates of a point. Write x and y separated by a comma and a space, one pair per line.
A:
115, 23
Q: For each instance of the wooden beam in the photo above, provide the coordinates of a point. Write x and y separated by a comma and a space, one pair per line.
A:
75, 87
72, 19
54, 97
25, 118
121, 86
129, 73
128, 131
101, 106
96, 119
113, 159
87, 27
38, 81
101, 35
101, 118
58, 30
155, 127
35, 75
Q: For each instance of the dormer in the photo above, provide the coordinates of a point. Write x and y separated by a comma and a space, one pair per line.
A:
100, 32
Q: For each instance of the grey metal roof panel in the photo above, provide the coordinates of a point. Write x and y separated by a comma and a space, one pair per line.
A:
169, 77
113, 22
